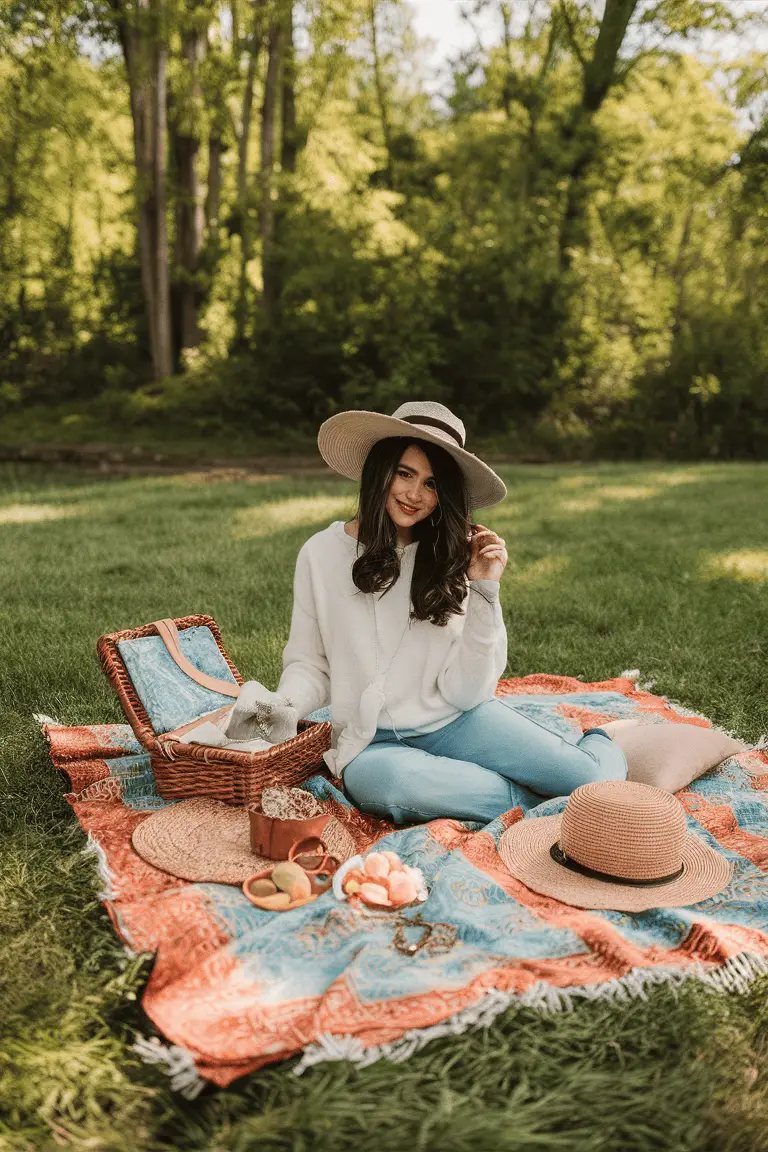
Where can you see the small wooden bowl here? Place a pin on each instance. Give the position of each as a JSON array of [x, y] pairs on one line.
[[319, 863]]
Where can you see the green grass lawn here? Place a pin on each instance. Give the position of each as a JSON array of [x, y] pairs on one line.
[[661, 568]]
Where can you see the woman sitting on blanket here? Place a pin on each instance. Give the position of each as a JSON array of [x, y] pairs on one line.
[[397, 624]]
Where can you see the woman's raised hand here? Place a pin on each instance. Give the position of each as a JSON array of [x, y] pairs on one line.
[[489, 556]]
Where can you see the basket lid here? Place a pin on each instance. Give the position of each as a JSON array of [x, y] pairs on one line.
[[170, 697], [156, 693]]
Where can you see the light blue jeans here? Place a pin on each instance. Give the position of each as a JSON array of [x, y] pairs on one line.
[[466, 769]]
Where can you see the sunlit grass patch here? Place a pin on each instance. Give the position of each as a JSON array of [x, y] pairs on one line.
[[540, 569], [583, 504], [670, 479], [591, 494], [597, 495], [579, 481], [750, 565], [296, 512], [34, 513], [626, 492]]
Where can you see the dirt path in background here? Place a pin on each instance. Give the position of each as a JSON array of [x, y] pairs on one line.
[[135, 461]]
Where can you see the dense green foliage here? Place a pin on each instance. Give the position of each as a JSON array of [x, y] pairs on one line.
[[612, 567], [570, 250]]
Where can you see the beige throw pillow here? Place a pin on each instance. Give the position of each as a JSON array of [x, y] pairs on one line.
[[670, 755]]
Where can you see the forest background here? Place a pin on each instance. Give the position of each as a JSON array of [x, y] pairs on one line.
[[227, 221]]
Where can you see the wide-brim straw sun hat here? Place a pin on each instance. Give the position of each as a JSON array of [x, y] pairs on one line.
[[618, 845], [206, 840], [346, 439]]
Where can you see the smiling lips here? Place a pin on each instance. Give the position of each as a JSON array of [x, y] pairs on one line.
[[406, 509]]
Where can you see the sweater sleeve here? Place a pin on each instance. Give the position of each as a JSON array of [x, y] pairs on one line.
[[305, 678], [478, 656]]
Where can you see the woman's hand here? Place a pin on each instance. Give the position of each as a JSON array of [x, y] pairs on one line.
[[489, 556]]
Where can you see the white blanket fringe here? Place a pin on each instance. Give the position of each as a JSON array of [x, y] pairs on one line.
[[41, 719], [106, 875], [176, 1062], [735, 975], [633, 674]]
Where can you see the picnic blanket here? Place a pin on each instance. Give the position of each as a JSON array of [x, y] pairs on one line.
[[234, 987]]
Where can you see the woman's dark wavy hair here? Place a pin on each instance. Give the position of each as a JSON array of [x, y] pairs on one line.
[[438, 587]]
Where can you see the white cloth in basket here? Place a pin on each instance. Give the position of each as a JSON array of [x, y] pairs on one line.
[[257, 720]]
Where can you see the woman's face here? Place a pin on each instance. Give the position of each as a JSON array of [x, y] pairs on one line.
[[412, 493]]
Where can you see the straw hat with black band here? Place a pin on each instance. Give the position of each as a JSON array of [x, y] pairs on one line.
[[618, 845], [346, 439]]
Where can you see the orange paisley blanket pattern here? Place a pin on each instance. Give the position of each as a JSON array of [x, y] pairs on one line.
[[238, 987]]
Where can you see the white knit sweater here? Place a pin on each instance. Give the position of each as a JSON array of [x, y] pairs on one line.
[[437, 672]]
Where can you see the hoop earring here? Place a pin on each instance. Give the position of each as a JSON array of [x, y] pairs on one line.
[[435, 524]]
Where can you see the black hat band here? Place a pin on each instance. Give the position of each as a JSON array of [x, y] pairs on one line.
[[560, 857], [431, 422]]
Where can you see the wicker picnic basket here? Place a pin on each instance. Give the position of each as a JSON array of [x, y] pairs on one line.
[[185, 770]]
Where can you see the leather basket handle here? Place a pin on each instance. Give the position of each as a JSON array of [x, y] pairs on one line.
[[169, 634]]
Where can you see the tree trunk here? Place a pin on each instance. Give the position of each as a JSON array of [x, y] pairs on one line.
[[505, 9], [11, 205], [140, 96], [381, 95], [266, 206], [188, 209], [145, 67], [288, 154], [580, 137], [162, 278], [222, 62], [535, 108], [213, 193], [235, 18], [289, 147], [679, 272], [578, 146], [246, 119]]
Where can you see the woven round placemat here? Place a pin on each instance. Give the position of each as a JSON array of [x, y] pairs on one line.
[[208, 841]]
